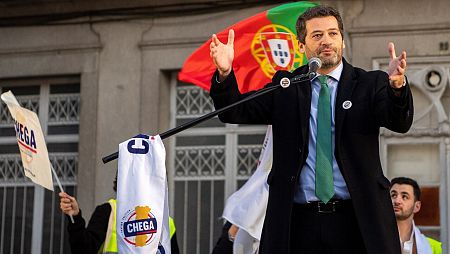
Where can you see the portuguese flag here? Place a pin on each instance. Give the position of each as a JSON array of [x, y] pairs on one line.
[[263, 44]]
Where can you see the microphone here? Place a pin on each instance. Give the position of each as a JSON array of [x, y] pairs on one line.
[[313, 65]]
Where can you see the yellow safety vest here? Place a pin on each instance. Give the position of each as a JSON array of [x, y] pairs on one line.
[[436, 246], [110, 244]]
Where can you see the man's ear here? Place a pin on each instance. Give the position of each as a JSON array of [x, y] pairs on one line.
[[417, 206], [343, 44], [302, 47]]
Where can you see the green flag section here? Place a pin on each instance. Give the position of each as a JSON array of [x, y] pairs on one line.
[[264, 44]]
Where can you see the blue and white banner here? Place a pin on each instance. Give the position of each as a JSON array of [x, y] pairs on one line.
[[142, 200], [246, 208]]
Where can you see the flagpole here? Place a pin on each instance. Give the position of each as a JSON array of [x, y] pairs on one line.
[[60, 187], [168, 133]]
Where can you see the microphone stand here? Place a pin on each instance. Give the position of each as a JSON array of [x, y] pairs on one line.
[[297, 79]]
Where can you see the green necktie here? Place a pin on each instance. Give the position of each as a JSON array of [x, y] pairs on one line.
[[324, 154]]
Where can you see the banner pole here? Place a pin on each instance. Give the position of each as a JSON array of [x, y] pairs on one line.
[[60, 187]]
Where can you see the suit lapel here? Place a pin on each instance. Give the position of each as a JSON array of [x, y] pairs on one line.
[[304, 103], [346, 85]]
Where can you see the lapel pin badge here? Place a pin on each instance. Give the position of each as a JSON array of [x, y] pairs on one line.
[[347, 104], [285, 82]]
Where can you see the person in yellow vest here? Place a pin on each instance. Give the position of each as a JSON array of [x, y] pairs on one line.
[[100, 234], [405, 196]]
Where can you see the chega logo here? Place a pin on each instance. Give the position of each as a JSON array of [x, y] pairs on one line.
[[138, 226], [25, 138]]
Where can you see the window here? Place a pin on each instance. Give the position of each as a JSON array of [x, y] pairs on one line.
[[207, 163], [30, 216]]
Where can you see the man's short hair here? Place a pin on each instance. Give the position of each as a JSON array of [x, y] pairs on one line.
[[317, 12], [408, 181]]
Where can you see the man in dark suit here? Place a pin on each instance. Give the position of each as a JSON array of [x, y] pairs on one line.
[[327, 190]]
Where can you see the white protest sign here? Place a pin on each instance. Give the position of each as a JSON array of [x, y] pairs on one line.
[[30, 139]]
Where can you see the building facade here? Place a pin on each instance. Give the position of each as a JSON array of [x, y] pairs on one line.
[[99, 73]]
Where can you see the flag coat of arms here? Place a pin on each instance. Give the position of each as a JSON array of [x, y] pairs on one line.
[[264, 43]]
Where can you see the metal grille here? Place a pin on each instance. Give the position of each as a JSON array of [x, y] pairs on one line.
[[11, 170], [199, 195], [65, 165], [64, 109], [248, 156], [54, 233], [200, 161], [16, 216], [16, 204], [208, 164], [192, 102], [30, 102]]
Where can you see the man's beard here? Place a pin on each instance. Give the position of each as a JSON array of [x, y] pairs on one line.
[[328, 63], [405, 214]]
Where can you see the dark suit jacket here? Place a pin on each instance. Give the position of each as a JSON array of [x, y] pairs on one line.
[[374, 105], [224, 245]]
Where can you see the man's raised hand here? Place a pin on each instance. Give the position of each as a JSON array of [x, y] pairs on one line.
[[222, 54], [397, 67]]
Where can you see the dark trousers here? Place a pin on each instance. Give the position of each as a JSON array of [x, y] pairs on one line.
[[337, 232]]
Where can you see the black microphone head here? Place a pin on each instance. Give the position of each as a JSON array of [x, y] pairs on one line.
[[314, 64]]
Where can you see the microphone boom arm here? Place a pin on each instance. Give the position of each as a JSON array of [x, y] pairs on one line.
[[173, 131]]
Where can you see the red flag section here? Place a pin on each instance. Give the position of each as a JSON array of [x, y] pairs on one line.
[[264, 44]]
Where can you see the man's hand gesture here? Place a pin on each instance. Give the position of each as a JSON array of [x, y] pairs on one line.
[[397, 67], [222, 54]]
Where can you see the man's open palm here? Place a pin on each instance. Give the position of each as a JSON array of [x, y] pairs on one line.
[[397, 67], [223, 54]]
